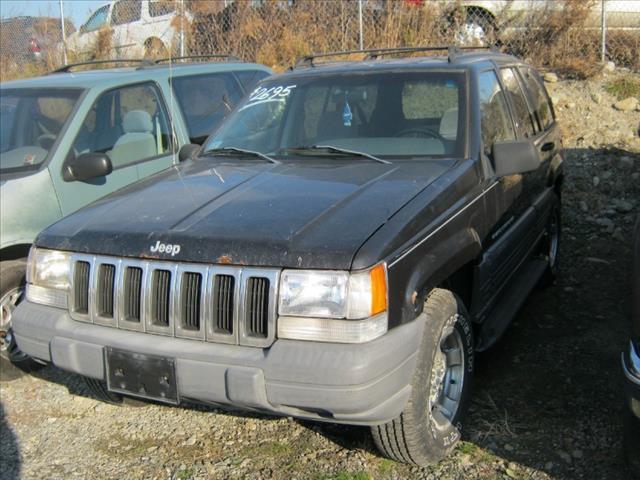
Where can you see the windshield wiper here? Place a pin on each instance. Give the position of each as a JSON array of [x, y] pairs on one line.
[[242, 151], [338, 150]]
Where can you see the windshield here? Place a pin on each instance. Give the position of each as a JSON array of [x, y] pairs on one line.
[[387, 115], [30, 122]]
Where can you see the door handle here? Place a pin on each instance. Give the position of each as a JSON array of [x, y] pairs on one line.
[[547, 147]]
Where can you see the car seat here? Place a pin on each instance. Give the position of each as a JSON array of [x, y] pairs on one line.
[[137, 142]]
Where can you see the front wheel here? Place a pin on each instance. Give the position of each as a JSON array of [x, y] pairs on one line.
[[12, 281], [430, 424]]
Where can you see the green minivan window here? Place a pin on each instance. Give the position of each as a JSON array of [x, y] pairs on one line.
[[129, 124]]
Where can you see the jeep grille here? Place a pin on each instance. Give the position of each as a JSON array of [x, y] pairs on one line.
[[213, 303]]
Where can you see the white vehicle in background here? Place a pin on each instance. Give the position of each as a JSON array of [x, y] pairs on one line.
[[135, 28], [485, 17]]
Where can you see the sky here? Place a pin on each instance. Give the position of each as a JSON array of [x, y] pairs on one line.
[[76, 10]]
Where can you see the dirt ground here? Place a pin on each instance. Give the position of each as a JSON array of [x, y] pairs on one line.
[[547, 400]]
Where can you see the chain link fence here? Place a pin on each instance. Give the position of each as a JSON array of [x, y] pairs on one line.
[[571, 36]]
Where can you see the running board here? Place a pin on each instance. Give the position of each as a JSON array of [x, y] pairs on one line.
[[512, 299]]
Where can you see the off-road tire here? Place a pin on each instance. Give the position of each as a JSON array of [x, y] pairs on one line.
[[12, 275], [413, 436]]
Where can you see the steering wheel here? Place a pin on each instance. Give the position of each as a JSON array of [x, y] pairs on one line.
[[46, 140], [419, 132]]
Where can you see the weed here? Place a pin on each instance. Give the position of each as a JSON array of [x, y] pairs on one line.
[[348, 476], [624, 87], [186, 474]]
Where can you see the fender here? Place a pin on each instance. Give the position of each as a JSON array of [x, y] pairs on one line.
[[444, 259], [455, 243]]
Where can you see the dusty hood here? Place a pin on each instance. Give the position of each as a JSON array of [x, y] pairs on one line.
[[310, 213]]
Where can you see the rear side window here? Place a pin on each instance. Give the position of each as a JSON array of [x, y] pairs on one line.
[[523, 119], [249, 78], [539, 97], [158, 8], [495, 121], [130, 124], [205, 101], [126, 11]]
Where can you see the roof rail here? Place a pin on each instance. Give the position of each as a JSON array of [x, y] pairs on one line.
[[229, 58], [70, 66], [372, 54]]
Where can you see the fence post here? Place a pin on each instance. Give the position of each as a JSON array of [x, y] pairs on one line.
[[64, 33], [603, 31], [182, 54], [360, 24]]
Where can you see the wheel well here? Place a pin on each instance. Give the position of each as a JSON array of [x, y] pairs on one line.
[[461, 283], [14, 252], [481, 12], [149, 41]]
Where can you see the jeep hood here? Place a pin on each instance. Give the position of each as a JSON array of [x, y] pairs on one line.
[[305, 214]]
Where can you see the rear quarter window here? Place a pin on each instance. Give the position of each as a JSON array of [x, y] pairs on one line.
[[538, 94]]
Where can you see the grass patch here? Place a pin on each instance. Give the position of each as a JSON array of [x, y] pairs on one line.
[[186, 474], [624, 87], [467, 448], [349, 476], [385, 466]]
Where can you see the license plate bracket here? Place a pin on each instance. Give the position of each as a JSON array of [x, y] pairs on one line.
[[152, 377]]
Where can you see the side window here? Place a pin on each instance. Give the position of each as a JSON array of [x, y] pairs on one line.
[[129, 124], [126, 11], [205, 101], [97, 20], [541, 102], [523, 119], [248, 78], [158, 8], [495, 121]]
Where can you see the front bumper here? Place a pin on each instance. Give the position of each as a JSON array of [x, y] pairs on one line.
[[359, 384]]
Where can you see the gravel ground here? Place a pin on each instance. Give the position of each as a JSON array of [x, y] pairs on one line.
[[547, 398]]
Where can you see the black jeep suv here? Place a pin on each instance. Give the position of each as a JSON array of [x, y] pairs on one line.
[[338, 250]]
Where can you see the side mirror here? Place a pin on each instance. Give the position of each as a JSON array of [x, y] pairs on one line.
[[515, 156], [188, 151], [87, 166]]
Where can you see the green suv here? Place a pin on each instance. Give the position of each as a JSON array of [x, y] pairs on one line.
[[72, 137]]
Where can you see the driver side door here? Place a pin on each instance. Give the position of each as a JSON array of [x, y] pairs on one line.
[[131, 126]]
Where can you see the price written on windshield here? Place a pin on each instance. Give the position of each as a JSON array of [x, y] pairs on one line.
[[271, 94]]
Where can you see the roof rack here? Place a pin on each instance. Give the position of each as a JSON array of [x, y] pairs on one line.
[[68, 67], [230, 58], [372, 54]]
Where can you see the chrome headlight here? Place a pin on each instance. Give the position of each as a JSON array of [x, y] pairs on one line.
[[48, 279], [333, 306]]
